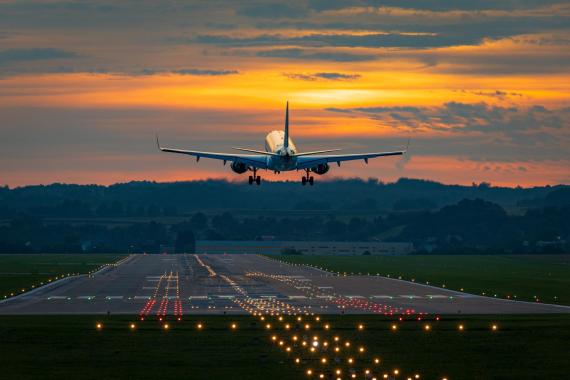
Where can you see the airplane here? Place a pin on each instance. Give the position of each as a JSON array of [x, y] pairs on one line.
[[281, 155]]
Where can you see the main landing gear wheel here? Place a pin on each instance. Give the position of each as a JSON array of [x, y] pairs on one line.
[[254, 178], [307, 179]]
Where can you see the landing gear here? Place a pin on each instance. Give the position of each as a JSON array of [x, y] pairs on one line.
[[254, 178], [307, 178]]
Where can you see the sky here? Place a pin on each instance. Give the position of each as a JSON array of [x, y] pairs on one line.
[[480, 87]]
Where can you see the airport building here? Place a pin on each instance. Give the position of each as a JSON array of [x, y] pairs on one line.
[[304, 247]]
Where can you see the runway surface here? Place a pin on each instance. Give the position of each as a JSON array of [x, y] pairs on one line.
[[160, 285]]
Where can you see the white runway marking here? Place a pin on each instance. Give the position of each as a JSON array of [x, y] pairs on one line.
[[114, 297], [410, 296], [57, 298], [142, 297], [85, 297], [382, 297]]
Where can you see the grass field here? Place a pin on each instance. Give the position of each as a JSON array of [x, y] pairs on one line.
[[19, 272], [521, 277], [55, 347]]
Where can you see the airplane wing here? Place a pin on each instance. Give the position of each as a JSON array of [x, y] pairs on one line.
[[254, 160], [305, 162]]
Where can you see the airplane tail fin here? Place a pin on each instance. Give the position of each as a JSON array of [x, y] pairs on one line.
[[286, 137]]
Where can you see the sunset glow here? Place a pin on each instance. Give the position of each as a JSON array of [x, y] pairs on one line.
[[483, 99]]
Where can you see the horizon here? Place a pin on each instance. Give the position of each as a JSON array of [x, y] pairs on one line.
[[327, 180], [481, 89]]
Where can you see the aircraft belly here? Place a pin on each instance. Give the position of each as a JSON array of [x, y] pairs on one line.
[[282, 164]]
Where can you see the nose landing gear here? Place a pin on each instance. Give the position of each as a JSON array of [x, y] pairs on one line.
[[254, 178], [307, 178]]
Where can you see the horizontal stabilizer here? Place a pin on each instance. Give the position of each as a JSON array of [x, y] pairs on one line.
[[316, 152], [256, 151]]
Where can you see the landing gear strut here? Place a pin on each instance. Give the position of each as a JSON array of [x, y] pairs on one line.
[[307, 178], [254, 178]]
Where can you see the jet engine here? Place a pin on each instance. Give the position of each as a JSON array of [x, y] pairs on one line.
[[320, 169], [238, 167]]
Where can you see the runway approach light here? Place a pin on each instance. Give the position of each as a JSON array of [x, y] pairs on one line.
[[133, 326], [361, 326], [460, 327], [234, 326], [494, 327], [166, 326], [99, 326], [199, 326]]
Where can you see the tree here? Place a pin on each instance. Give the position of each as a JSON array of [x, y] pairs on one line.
[[185, 242]]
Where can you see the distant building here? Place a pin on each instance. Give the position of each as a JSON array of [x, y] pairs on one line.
[[304, 247]]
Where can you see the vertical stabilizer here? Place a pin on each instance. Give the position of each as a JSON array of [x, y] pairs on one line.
[[286, 136]]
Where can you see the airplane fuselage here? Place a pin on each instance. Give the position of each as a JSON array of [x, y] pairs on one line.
[[286, 160]]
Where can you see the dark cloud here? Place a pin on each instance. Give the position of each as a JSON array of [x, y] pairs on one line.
[[43, 69], [34, 54], [374, 40], [315, 54], [514, 122], [478, 132], [321, 76], [439, 30], [498, 94], [273, 11], [197, 72], [433, 5]]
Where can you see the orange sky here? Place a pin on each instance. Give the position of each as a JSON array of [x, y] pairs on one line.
[[482, 94]]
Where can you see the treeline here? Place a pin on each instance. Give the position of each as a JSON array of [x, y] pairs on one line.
[[150, 199], [470, 226]]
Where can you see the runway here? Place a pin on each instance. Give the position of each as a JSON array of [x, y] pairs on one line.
[[178, 285]]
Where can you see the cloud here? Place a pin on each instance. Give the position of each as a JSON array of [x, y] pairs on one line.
[[65, 69], [321, 76], [315, 54], [371, 40], [434, 5], [34, 54], [498, 94], [456, 117], [272, 11], [192, 71]]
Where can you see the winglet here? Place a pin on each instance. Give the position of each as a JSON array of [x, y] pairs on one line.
[[157, 142], [407, 146]]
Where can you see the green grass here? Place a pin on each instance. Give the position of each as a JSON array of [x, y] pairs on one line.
[[523, 277], [19, 272], [55, 347]]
